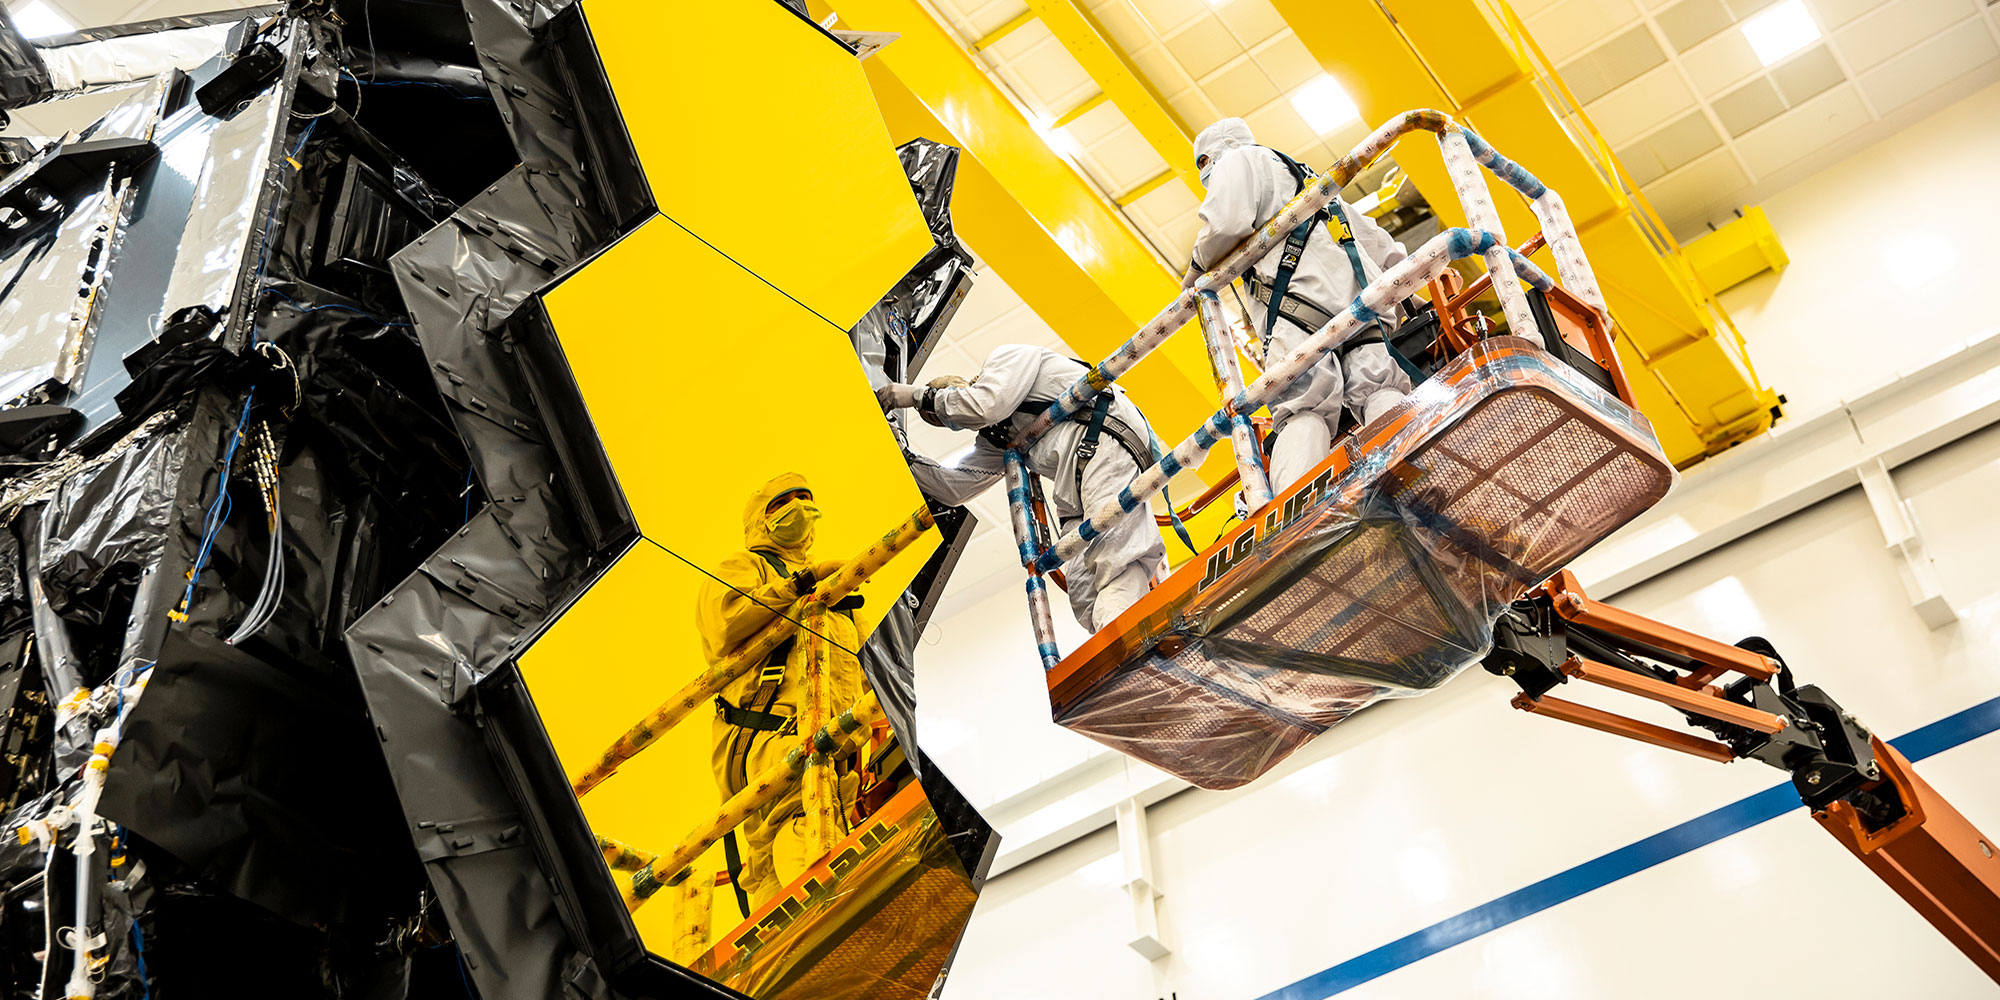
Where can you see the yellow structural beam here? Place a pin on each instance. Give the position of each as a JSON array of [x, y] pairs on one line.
[[1031, 217], [1738, 251], [1146, 187], [1121, 80], [1016, 23], [1471, 59], [1089, 104]]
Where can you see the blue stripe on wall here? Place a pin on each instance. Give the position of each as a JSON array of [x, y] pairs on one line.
[[1601, 871]]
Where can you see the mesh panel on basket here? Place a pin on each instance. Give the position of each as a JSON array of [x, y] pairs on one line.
[[1537, 497]]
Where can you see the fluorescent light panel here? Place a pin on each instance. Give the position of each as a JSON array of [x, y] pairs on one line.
[[1324, 105], [36, 19], [1780, 31]]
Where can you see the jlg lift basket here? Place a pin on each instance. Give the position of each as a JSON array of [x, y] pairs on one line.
[[1378, 575]]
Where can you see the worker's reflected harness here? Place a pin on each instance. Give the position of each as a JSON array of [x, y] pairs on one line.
[[1414, 336], [760, 722]]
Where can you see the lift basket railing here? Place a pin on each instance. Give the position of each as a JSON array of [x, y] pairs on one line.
[[1379, 573]]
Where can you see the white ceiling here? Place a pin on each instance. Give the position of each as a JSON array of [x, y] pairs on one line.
[[57, 117], [1672, 84], [96, 13], [1704, 128], [1208, 62]]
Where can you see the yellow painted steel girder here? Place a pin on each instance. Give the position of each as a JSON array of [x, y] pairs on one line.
[[1129, 90], [1089, 104], [1689, 369], [1032, 217]]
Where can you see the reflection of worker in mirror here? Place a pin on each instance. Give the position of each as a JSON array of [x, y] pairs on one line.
[[1321, 267], [755, 716], [1088, 459]]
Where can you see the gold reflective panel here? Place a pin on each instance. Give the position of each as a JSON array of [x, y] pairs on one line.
[[707, 696], [758, 132]]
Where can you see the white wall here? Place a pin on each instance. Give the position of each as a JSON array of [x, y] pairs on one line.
[[1417, 811], [1893, 252]]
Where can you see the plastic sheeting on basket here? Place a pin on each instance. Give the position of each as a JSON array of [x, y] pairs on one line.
[[1377, 576]]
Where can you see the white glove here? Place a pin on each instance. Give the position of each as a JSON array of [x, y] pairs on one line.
[[897, 396], [1193, 273]]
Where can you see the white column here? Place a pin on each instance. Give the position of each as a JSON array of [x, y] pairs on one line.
[[1899, 529]]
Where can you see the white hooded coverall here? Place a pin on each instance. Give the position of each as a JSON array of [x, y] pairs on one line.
[[1119, 565], [1248, 186]]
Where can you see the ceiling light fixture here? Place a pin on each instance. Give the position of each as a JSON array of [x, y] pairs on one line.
[[1781, 31], [1324, 105], [36, 19]]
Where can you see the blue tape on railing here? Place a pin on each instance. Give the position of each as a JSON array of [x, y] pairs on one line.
[[1529, 272], [1515, 175]]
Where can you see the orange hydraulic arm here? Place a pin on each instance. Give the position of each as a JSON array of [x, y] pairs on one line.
[[1859, 788]]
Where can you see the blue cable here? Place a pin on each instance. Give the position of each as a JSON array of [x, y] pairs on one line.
[[121, 683], [117, 835], [303, 136], [219, 510], [271, 218], [139, 952], [363, 313]]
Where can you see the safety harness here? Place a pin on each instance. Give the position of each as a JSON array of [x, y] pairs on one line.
[[752, 722], [1097, 420], [1279, 302]]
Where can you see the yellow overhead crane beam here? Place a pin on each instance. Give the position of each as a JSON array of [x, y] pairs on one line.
[[1030, 215], [1473, 59], [1121, 81]]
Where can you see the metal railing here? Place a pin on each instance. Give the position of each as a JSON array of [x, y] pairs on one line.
[[1465, 153]]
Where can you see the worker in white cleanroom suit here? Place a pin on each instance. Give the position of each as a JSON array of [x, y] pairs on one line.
[[1248, 185], [1014, 386]]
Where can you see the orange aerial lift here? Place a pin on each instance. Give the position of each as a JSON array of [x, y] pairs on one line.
[[1435, 537]]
